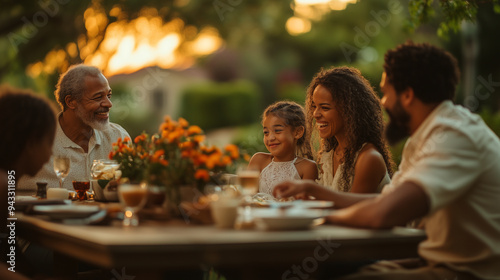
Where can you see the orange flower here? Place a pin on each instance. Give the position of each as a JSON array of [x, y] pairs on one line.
[[200, 159], [186, 153], [139, 138], [186, 145], [111, 155], [194, 129], [163, 127], [175, 135], [226, 160], [202, 174], [183, 122], [126, 139], [199, 138], [233, 150]]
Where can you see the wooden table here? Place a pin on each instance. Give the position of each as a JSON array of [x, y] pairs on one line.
[[151, 250]]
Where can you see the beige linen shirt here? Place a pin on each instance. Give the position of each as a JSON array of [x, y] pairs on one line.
[[455, 157], [100, 144]]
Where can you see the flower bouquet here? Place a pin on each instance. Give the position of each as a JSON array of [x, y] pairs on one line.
[[174, 157]]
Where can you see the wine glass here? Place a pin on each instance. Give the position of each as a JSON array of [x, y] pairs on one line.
[[133, 197], [248, 179], [61, 167]]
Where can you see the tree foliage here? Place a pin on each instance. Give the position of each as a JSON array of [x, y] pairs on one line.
[[454, 13]]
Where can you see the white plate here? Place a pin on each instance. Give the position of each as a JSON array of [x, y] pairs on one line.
[[287, 219], [66, 211], [317, 204], [26, 198]]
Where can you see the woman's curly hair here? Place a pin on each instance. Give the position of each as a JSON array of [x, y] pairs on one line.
[[359, 107]]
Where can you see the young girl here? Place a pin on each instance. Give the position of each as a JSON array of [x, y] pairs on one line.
[[284, 126]]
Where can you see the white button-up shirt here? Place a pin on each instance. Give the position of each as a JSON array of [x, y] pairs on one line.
[[100, 144]]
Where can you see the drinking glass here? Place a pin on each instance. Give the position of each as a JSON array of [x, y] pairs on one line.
[[61, 167], [81, 188], [102, 172], [133, 197], [104, 169], [248, 180]]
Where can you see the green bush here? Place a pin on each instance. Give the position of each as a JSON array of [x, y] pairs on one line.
[[213, 105], [250, 139], [492, 120], [294, 92]]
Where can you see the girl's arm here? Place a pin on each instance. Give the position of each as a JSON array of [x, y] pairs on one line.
[[258, 161], [369, 170]]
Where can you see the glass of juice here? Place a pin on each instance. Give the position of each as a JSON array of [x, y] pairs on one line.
[[81, 188], [132, 197]]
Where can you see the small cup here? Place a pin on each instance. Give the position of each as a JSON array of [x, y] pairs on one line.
[[57, 193], [225, 211]]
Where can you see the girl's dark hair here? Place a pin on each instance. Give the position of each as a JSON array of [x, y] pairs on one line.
[[294, 116], [359, 107], [24, 118]]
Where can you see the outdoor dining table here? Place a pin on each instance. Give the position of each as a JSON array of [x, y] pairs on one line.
[[153, 249]]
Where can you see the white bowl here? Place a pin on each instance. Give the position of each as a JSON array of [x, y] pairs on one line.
[[287, 219]]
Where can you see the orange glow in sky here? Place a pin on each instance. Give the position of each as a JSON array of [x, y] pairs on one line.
[[126, 46]]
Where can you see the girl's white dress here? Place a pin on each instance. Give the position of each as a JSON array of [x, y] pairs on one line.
[[332, 181], [275, 173]]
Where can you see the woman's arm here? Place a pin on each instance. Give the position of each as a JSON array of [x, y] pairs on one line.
[[308, 170], [369, 170]]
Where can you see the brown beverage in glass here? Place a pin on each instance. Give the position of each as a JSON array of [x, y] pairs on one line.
[[81, 188], [134, 197]]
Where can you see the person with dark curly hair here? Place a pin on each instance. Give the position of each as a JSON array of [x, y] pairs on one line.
[[28, 125], [347, 115], [449, 174]]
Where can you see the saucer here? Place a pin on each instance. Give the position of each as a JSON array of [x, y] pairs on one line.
[[287, 219], [59, 212]]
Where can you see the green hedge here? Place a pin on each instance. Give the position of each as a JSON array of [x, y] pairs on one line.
[[492, 119], [213, 105]]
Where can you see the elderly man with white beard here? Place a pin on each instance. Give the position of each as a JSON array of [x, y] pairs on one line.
[[83, 131]]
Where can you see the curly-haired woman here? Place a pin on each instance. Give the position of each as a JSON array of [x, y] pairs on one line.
[[346, 112]]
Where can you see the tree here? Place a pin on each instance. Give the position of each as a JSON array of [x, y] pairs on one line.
[[454, 13]]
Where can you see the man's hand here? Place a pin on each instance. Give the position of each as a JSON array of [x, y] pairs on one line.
[[294, 188]]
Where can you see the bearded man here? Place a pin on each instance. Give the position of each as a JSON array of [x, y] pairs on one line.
[[83, 131], [449, 174]]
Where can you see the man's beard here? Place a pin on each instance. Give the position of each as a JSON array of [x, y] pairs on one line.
[[90, 119], [398, 127]]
